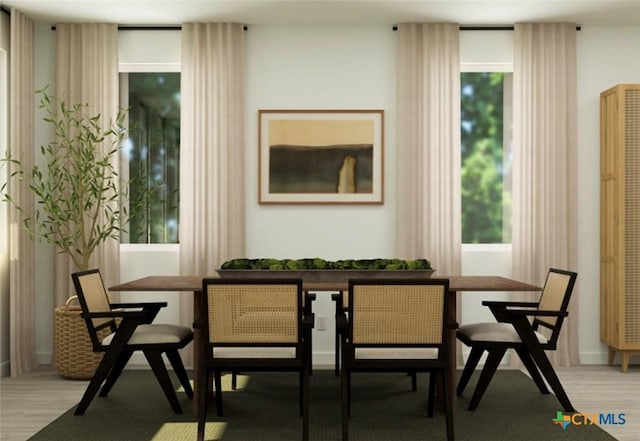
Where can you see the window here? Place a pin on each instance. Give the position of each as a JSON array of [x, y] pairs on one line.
[[152, 156], [486, 156]]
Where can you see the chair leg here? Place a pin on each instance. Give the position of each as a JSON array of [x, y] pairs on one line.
[[218, 386], [301, 375], [101, 373], [305, 400], [337, 353], [469, 367], [531, 367], [490, 366], [178, 367], [157, 365], [309, 351], [414, 381], [349, 393], [234, 380], [344, 395], [109, 359], [203, 395], [448, 403], [432, 393], [115, 372], [549, 373]]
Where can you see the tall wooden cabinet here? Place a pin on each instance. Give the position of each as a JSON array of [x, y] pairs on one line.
[[620, 221]]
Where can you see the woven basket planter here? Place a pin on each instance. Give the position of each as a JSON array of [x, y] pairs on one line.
[[74, 356]]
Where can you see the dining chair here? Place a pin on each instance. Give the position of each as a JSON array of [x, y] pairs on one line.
[[530, 328], [394, 325], [253, 325], [131, 330]]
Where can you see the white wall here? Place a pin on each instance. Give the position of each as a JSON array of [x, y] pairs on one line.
[[354, 67], [320, 67], [607, 55]]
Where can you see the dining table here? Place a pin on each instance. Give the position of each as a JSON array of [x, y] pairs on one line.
[[193, 285]]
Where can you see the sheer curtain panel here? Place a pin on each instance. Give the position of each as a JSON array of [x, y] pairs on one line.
[[428, 145], [87, 72], [22, 345], [428, 209], [212, 195], [544, 162]]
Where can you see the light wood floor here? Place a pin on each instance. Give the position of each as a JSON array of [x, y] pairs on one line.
[[30, 402]]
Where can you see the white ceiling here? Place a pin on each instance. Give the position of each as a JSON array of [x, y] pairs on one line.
[[465, 12]]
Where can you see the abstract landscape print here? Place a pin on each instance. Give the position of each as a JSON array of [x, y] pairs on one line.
[[321, 156]]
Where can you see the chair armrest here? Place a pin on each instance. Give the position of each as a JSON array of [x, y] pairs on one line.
[[308, 299], [139, 305], [341, 322], [308, 321], [140, 314], [504, 315], [507, 304], [499, 309], [451, 325], [338, 297], [529, 312], [150, 308]]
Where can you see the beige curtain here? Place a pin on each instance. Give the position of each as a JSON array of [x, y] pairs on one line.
[[212, 189], [428, 209], [544, 162], [22, 347], [87, 72], [428, 145]]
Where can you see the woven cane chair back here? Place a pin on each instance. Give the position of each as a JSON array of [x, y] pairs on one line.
[[403, 314]]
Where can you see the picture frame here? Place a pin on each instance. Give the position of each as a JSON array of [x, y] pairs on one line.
[[321, 156]]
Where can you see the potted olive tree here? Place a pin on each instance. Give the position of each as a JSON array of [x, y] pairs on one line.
[[77, 188], [78, 200]]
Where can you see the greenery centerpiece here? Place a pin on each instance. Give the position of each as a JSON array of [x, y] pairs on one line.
[[317, 263], [78, 197], [318, 270]]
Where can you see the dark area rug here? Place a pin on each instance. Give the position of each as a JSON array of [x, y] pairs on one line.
[[265, 407]]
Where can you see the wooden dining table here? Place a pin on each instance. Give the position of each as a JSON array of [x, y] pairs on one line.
[[193, 285]]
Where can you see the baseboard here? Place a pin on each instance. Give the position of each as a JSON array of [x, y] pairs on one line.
[[603, 358], [323, 360], [44, 358]]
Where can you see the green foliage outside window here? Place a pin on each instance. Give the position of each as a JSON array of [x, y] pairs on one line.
[[485, 201], [154, 154]]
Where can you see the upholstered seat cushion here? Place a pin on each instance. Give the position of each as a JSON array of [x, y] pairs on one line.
[[494, 332], [154, 334], [396, 353], [254, 352]]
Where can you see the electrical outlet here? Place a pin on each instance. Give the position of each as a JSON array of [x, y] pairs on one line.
[[321, 323]]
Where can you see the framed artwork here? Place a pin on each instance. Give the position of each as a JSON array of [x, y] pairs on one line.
[[320, 156]]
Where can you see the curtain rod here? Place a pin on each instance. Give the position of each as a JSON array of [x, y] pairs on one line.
[[487, 28], [149, 28], [395, 27]]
